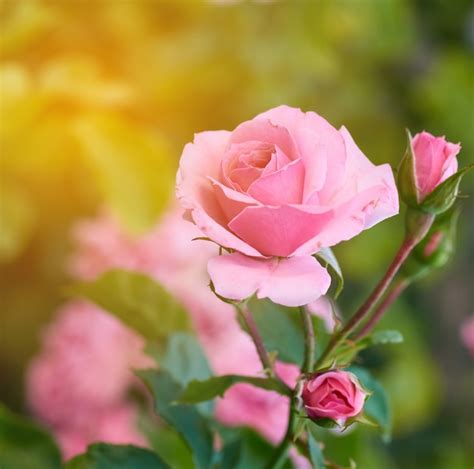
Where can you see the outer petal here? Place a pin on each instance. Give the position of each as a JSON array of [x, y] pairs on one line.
[[291, 282], [365, 175], [231, 201], [221, 235], [343, 222], [200, 161], [279, 231]]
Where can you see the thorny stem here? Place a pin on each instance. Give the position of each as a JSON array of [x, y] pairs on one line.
[[407, 246], [279, 457], [389, 299], [309, 338], [252, 329], [280, 454]]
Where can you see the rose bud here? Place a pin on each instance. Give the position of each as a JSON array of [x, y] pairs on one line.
[[335, 395], [428, 162]]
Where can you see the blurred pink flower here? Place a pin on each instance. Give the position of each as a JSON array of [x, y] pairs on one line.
[[115, 425], [467, 334], [83, 370], [81, 377]]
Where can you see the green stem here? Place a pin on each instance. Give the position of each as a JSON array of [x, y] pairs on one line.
[[280, 455], [416, 233], [252, 329], [396, 290], [309, 339]]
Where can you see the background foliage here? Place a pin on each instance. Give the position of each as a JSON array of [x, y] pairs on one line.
[[98, 99]]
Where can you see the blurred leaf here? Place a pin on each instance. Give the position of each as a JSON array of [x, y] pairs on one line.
[[25, 445], [17, 220], [185, 419], [376, 407], [280, 328], [315, 451], [137, 300], [184, 359], [167, 443], [329, 260], [132, 166], [106, 456], [199, 391], [248, 450]]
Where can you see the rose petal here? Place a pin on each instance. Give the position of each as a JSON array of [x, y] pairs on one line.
[[278, 231], [262, 130], [299, 123], [291, 282], [221, 235], [199, 161], [284, 186], [232, 202]]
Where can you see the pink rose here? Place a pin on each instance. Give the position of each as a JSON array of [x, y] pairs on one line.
[[434, 160], [335, 395], [274, 191]]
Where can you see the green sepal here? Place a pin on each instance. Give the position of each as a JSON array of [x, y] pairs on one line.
[[329, 260], [406, 179], [445, 194]]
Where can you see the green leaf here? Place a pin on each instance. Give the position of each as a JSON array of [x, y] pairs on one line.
[[376, 407], [199, 391], [187, 421], [106, 456], [165, 441], [315, 452], [132, 167], [137, 300], [348, 350], [280, 328], [25, 445], [444, 196], [329, 260], [184, 359]]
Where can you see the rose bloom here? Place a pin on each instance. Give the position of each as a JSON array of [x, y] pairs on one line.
[[335, 395], [434, 161], [274, 191]]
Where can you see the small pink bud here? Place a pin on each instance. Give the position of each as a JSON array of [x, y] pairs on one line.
[[335, 395], [434, 161]]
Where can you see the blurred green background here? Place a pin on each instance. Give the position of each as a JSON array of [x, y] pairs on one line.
[[98, 99]]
